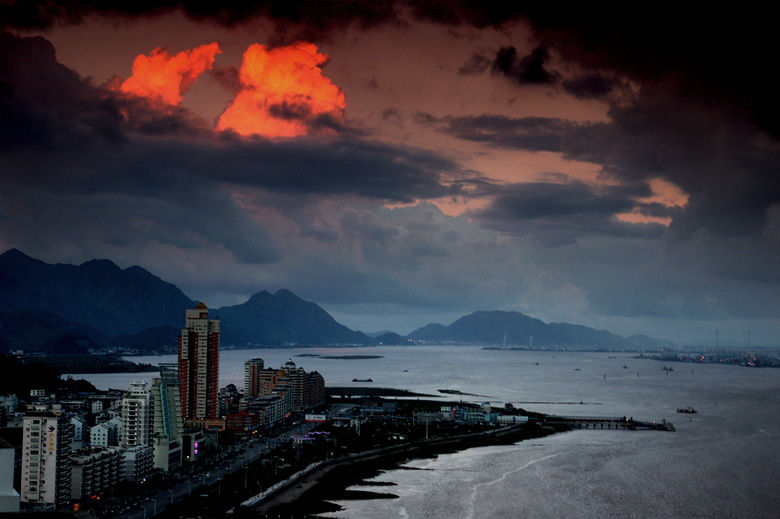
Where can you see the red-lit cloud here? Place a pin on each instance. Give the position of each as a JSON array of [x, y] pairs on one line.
[[283, 92], [163, 77]]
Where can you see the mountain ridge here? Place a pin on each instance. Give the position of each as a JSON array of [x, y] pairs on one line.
[[99, 304]]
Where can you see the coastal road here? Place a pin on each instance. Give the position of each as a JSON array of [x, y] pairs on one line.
[[192, 484]]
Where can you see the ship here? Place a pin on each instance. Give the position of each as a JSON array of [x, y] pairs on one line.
[[686, 409], [362, 380]]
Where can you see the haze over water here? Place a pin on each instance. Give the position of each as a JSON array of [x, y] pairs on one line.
[[721, 462]]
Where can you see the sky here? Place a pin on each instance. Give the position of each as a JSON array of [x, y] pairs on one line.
[[402, 163]]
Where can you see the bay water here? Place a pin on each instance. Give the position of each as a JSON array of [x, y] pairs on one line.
[[723, 461]]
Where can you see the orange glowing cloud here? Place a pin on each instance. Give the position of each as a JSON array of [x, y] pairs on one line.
[[282, 92], [664, 193], [166, 78]]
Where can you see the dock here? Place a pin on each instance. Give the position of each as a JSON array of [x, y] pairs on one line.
[[607, 422]]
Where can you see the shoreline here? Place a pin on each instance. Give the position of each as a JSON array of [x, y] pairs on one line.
[[315, 492]]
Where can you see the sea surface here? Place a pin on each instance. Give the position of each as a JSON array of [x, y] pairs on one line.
[[723, 461]]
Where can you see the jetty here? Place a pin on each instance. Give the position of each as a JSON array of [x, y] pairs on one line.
[[607, 422]]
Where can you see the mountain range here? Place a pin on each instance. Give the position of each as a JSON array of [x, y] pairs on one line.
[[97, 305]]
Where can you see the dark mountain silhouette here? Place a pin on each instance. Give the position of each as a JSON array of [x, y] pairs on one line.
[[29, 330], [159, 339], [283, 318], [97, 293], [71, 308], [518, 330]]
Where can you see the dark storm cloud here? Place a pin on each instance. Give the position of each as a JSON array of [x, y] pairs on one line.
[[564, 213], [529, 69], [710, 54], [477, 64], [315, 17], [228, 77], [591, 86], [527, 133], [719, 57], [78, 157], [32, 113], [48, 106], [66, 116], [719, 160], [310, 20]]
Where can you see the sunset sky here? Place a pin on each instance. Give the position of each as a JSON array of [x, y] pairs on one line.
[[402, 163]]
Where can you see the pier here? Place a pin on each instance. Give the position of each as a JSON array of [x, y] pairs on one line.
[[607, 422]]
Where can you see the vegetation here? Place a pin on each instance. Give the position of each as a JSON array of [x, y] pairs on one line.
[[88, 363], [19, 377]]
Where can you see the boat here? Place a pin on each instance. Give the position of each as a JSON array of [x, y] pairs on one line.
[[362, 380], [686, 409]]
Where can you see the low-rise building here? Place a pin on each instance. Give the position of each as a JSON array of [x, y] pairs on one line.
[[104, 434], [80, 432], [243, 422], [95, 470], [9, 497], [138, 462]]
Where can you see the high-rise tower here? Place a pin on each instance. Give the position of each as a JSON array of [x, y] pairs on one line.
[[46, 463], [199, 365], [252, 371]]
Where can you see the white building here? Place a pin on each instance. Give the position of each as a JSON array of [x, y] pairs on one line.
[[506, 419], [104, 434], [45, 478], [10, 402], [80, 432], [136, 416], [9, 498], [167, 423]]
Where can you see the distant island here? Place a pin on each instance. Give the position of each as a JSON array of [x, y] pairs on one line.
[[351, 357]]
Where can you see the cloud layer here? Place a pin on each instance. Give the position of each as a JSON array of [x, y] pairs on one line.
[[610, 177]]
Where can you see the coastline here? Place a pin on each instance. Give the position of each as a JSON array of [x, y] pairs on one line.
[[315, 492]]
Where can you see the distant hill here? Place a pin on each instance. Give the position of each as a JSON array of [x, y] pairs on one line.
[[514, 329], [283, 319]]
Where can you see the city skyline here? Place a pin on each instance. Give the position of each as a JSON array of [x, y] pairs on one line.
[[407, 163]]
